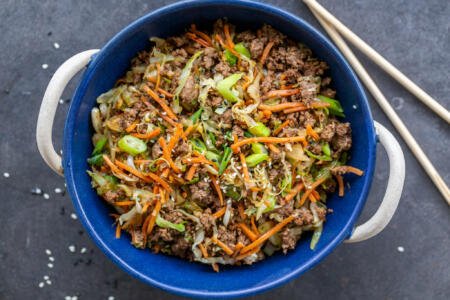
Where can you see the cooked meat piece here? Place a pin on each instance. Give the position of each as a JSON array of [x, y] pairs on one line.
[[288, 240], [189, 94], [180, 247], [257, 47], [156, 151], [202, 193], [303, 216]]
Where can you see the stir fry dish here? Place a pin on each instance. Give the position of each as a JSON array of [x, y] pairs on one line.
[[221, 147]]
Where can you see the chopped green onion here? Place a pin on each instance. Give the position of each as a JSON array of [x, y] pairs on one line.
[[259, 129], [326, 149], [212, 137], [132, 145], [318, 157], [224, 87], [166, 224], [240, 48], [228, 136], [248, 134], [316, 237], [254, 159], [230, 57], [226, 157], [198, 145], [185, 73], [259, 148], [194, 180], [335, 107], [195, 116], [212, 156], [103, 183], [99, 145], [96, 160]]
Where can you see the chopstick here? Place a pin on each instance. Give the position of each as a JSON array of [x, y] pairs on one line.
[[385, 106], [380, 60]]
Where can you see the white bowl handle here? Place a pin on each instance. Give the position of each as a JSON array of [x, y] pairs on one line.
[[393, 190], [49, 104]]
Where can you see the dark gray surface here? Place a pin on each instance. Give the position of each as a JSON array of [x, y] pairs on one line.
[[414, 35]]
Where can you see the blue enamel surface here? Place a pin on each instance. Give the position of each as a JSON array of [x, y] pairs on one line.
[[172, 274]]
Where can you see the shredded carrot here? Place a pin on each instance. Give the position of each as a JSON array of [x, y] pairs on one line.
[[217, 188], [165, 93], [244, 167], [118, 231], [316, 194], [165, 173], [244, 255], [312, 198], [132, 171], [203, 250], [219, 39], [267, 113], [273, 148], [312, 133], [124, 203], [340, 182], [241, 211], [201, 34], [235, 138], [146, 206], [311, 106], [280, 93], [238, 248], [112, 166], [191, 172], [254, 228], [348, 169], [294, 191], [142, 161], [215, 267], [248, 232], [175, 138], [247, 82], [188, 131], [226, 30], [224, 247], [275, 140], [158, 76], [144, 228], [160, 181], [152, 221], [161, 102], [309, 191], [279, 128], [167, 156], [184, 194], [220, 212], [262, 238], [167, 119], [199, 160], [266, 52], [131, 127], [195, 38], [156, 248], [148, 135]]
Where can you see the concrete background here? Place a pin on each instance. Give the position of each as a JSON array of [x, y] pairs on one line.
[[413, 35]]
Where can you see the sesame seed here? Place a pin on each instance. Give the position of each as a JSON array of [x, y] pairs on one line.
[[354, 106], [41, 285], [6, 175], [400, 249], [74, 298], [46, 196], [48, 252], [51, 258], [61, 101], [36, 191], [46, 277], [110, 297], [50, 265], [49, 282], [73, 216], [56, 45], [72, 248], [67, 298], [58, 190], [44, 66], [83, 250]]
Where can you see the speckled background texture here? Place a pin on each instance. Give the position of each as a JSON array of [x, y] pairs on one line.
[[413, 35]]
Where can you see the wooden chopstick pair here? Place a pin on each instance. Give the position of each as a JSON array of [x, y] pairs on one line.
[[334, 28]]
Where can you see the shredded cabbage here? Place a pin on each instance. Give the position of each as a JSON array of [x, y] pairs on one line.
[[185, 73]]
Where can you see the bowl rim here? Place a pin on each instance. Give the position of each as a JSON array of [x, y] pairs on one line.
[[81, 89]]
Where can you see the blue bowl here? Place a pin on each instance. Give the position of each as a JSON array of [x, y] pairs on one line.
[[173, 274]]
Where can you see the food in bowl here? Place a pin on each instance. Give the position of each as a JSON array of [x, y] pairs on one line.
[[221, 148]]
